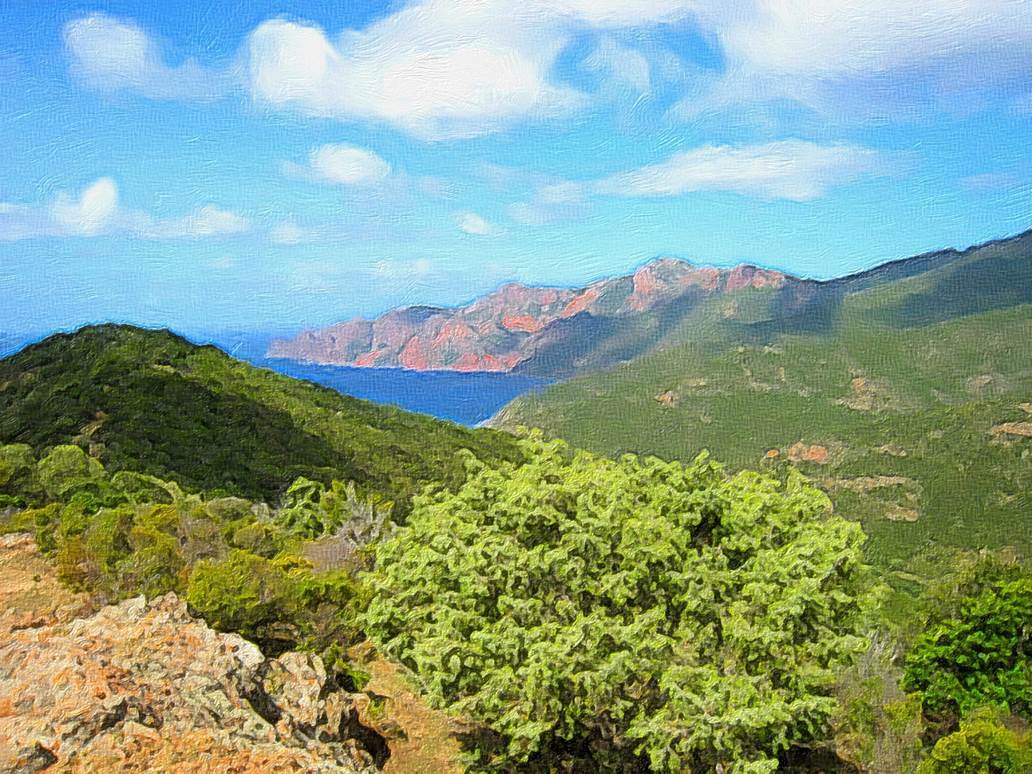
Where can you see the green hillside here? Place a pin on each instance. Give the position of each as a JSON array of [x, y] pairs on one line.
[[151, 401], [916, 389]]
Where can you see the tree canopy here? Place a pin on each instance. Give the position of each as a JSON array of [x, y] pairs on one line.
[[627, 609]]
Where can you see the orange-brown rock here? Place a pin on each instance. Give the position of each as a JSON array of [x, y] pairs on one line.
[[801, 452], [502, 329], [144, 686], [667, 398]]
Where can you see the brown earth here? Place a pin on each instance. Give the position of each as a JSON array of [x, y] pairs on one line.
[[420, 738], [1023, 429]]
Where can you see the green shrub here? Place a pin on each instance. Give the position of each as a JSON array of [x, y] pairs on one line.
[[18, 481], [625, 608], [983, 745], [878, 727], [981, 657], [68, 469], [244, 593], [140, 488], [278, 603]]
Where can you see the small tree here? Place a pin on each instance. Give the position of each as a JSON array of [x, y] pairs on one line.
[[625, 608]]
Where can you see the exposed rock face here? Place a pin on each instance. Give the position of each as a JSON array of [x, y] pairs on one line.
[[145, 686], [801, 452], [502, 329]]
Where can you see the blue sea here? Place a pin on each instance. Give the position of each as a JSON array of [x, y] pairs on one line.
[[467, 398]]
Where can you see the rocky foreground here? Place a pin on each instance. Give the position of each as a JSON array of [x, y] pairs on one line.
[[144, 686]]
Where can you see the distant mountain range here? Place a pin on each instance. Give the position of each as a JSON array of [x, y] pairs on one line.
[[558, 332], [526, 329]]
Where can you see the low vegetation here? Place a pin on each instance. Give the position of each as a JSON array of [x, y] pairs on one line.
[[151, 402], [238, 563], [579, 613]]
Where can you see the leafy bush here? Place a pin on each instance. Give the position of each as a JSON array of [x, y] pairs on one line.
[[18, 480], [983, 745], [277, 603], [67, 470], [625, 608], [983, 656]]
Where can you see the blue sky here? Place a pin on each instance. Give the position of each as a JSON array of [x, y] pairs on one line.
[[259, 165]]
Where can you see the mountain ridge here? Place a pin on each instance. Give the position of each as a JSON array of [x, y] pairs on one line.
[[905, 394], [534, 329], [501, 329]]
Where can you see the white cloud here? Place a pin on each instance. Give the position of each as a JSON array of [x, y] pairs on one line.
[[206, 221], [20, 221], [790, 169], [991, 181], [624, 13], [622, 66], [846, 38], [113, 54], [347, 165], [438, 69], [551, 203], [91, 212], [420, 267], [471, 223], [96, 211], [865, 57], [443, 69], [223, 262], [287, 233]]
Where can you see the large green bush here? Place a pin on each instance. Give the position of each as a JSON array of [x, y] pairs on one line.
[[982, 656], [625, 608]]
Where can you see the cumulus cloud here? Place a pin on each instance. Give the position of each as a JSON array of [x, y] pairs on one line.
[[347, 165], [206, 221], [443, 69], [419, 267], [90, 212], [869, 57], [471, 223], [97, 211], [622, 66], [796, 170], [437, 69], [844, 38], [112, 54]]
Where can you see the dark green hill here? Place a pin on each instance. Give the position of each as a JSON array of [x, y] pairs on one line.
[[914, 380], [153, 402]]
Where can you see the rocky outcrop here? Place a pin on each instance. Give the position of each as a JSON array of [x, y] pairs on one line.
[[144, 686], [500, 330]]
